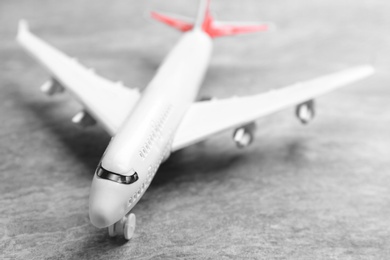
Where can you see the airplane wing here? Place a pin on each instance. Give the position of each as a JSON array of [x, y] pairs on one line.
[[107, 102], [210, 117]]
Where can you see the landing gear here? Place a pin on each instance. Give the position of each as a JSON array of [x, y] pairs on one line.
[[125, 227]]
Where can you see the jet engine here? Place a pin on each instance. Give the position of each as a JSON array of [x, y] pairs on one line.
[[305, 112], [52, 87], [244, 135], [83, 119]]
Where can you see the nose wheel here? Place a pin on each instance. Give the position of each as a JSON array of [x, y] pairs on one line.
[[125, 227]]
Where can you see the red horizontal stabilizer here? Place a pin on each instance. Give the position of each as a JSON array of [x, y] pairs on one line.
[[217, 29], [179, 24], [226, 30]]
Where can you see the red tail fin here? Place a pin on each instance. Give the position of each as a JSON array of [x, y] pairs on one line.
[[206, 22]]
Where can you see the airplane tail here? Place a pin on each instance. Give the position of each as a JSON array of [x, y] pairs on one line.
[[205, 22]]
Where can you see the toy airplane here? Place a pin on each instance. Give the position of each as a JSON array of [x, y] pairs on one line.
[[146, 127]]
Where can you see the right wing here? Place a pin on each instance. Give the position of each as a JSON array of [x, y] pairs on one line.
[[107, 102], [206, 118]]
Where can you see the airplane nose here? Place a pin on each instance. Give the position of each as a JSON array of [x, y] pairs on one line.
[[100, 216], [105, 204]]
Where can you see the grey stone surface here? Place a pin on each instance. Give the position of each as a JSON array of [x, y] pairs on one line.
[[300, 192]]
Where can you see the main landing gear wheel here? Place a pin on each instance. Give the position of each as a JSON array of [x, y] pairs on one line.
[[125, 227]]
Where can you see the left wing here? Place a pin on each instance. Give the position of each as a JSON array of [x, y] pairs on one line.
[[210, 117], [107, 102]]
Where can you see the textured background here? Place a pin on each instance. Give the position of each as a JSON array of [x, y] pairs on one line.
[[300, 192]]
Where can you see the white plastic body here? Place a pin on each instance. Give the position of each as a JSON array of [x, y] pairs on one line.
[[145, 138]]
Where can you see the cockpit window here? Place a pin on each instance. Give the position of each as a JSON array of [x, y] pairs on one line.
[[123, 179]]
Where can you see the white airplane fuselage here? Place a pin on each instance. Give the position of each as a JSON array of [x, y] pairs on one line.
[[144, 140]]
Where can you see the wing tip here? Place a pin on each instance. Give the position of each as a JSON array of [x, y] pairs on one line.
[[23, 26], [371, 68], [271, 27], [367, 69], [22, 29]]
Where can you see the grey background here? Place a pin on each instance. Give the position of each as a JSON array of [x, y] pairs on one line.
[[299, 192]]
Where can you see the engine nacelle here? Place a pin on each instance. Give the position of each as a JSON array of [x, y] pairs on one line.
[[305, 112], [244, 135], [83, 119], [52, 87]]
